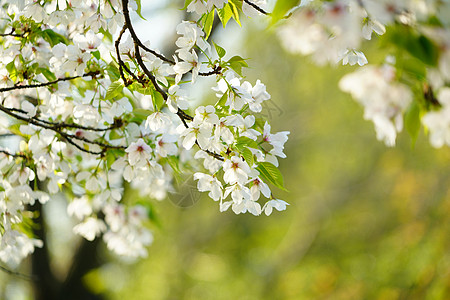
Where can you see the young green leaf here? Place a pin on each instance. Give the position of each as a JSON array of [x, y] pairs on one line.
[[237, 63], [412, 121], [139, 8], [271, 174], [208, 23], [114, 90], [53, 38], [220, 51], [248, 156], [281, 8], [225, 14]]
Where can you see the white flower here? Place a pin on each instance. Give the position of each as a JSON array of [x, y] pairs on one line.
[[258, 95], [190, 62], [196, 132], [383, 99], [192, 35], [80, 208], [235, 170], [206, 114], [197, 6], [279, 205], [208, 183], [165, 145], [352, 57], [90, 228], [216, 3], [277, 140], [75, 60], [438, 122], [370, 26], [241, 200], [176, 99], [138, 153], [157, 120], [259, 187]]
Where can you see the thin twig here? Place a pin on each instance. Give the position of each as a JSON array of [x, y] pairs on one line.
[[66, 136], [18, 86], [137, 43], [12, 34], [256, 7], [23, 276], [15, 155]]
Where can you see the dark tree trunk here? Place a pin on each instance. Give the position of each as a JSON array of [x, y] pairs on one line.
[[46, 286]]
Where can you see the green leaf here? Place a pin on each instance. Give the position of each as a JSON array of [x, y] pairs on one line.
[[186, 4], [114, 90], [248, 156], [158, 100], [47, 73], [271, 174], [96, 54], [112, 155], [53, 38], [412, 121], [220, 51], [409, 40], [141, 114], [173, 162], [208, 23], [244, 141], [235, 12], [113, 71], [138, 10], [225, 14], [222, 100], [237, 63], [412, 66], [281, 8], [12, 71]]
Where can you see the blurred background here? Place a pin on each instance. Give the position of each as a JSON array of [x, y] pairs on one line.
[[364, 222]]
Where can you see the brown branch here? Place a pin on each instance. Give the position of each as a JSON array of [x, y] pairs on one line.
[[18, 86], [257, 7], [215, 71], [15, 155], [122, 65], [137, 43], [68, 137], [12, 34], [163, 58]]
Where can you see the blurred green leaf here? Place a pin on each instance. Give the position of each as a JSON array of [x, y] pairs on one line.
[[281, 8]]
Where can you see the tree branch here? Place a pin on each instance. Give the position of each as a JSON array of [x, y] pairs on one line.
[[18, 86], [257, 7], [68, 137], [137, 43], [15, 155]]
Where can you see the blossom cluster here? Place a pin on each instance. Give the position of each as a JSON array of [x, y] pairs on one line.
[[92, 111], [419, 63]]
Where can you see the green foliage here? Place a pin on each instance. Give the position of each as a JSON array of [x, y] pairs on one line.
[[220, 51], [114, 90], [407, 39], [228, 12], [412, 121], [53, 38], [271, 174], [237, 63], [281, 8], [208, 21]]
